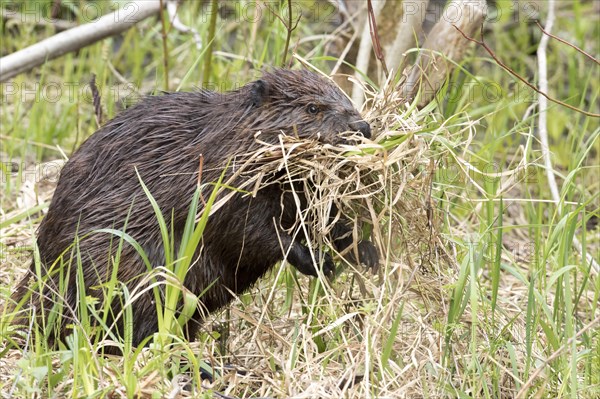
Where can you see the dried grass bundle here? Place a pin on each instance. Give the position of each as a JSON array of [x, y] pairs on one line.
[[383, 186]]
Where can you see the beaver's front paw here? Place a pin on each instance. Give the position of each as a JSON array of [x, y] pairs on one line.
[[328, 265], [325, 262], [300, 256], [367, 255]]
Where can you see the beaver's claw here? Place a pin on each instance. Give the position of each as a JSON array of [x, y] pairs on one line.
[[367, 254]]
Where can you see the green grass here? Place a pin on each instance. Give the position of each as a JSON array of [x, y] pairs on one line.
[[517, 301]]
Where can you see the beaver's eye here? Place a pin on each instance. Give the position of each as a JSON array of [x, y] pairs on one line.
[[312, 109]]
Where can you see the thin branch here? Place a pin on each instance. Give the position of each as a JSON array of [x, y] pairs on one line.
[[294, 51], [363, 58], [375, 37], [76, 38], [276, 15], [288, 27], [591, 57], [97, 100], [522, 79], [289, 32]]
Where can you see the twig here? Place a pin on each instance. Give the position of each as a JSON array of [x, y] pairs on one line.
[[375, 37], [76, 38], [96, 100], [591, 57], [288, 26], [294, 51], [522, 79], [363, 58], [289, 32], [164, 44]]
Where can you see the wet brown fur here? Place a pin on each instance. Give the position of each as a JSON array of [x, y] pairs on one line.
[[163, 137]]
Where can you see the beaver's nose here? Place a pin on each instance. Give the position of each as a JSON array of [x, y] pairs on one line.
[[362, 127]]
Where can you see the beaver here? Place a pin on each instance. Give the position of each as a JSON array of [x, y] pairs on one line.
[[161, 138]]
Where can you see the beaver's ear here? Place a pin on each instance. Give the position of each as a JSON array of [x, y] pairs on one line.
[[259, 92]]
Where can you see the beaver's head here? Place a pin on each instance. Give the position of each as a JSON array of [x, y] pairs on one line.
[[305, 104]]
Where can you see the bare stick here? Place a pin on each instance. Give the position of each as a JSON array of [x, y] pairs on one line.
[[289, 32], [97, 100], [375, 37], [363, 57], [591, 57], [522, 79], [76, 38], [288, 26]]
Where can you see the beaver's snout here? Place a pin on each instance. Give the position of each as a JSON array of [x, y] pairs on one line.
[[362, 127]]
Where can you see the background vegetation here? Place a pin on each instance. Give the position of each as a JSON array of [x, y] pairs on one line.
[[515, 313]]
